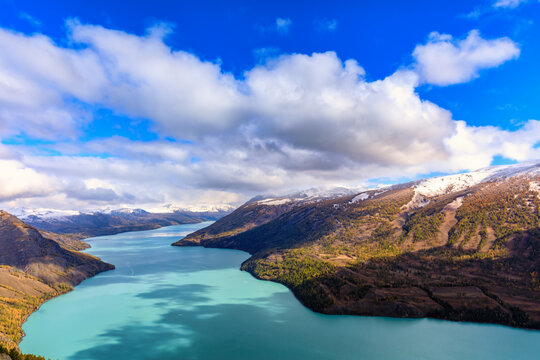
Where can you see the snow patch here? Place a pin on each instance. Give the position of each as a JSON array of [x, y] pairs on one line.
[[361, 197], [417, 201], [447, 184], [310, 195], [274, 201], [526, 169], [325, 193], [443, 185], [454, 205], [366, 195], [25, 214], [534, 186]]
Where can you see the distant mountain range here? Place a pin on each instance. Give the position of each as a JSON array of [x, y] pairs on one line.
[[110, 222], [34, 267], [462, 247]]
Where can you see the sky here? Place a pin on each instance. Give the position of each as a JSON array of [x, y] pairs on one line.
[[200, 105]]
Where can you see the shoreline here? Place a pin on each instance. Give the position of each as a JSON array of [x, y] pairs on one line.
[[343, 311], [84, 251], [193, 283], [9, 342]]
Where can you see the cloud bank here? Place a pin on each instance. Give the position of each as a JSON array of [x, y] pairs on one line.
[[296, 120]]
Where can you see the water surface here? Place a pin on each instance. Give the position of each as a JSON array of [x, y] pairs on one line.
[[165, 302]]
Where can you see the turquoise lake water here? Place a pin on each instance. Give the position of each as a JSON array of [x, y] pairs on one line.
[[165, 302]]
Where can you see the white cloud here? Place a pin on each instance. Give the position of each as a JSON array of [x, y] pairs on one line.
[[19, 181], [319, 104], [283, 25], [499, 5], [446, 61], [297, 120], [508, 3], [475, 146], [32, 92]]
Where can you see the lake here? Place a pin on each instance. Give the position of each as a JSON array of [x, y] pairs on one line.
[[165, 302]]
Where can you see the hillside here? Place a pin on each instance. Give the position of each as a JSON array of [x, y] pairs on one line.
[[463, 247], [113, 222], [34, 269]]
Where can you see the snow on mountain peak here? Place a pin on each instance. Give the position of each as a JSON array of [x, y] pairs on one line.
[[451, 183], [442, 185], [24, 213], [310, 195], [446, 184]]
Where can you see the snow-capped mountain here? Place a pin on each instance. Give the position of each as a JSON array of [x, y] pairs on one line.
[[112, 221], [459, 247], [25, 213], [307, 196], [423, 189]]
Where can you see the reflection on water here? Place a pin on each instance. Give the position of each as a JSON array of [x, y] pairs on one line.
[[165, 302]]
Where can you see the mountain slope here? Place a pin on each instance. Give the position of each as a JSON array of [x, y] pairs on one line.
[[460, 247], [34, 269], [116, 221]]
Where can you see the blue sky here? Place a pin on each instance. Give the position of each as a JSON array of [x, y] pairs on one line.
[[379, 35], [464, 73]]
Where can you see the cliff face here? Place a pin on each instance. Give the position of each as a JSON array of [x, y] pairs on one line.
[[463, 247], [34, 269]]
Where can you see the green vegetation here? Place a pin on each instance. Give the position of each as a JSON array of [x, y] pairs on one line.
[[15, 310], [380, 257], [506, 208], [294, 270], [422, 227], [299, 272], [47, 270]]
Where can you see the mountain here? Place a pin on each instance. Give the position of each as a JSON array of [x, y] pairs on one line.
[[463, 247], [35, 267], [115, 221]]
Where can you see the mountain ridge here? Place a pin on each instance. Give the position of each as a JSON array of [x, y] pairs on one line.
[[115, 221], [35, 268], [460, 247]]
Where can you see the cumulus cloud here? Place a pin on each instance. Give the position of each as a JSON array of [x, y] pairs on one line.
[[32, 92], [477, 145], [319, 104], [293, 121], [20, 181], [446, 61]]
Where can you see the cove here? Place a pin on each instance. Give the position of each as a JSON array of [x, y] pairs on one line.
[[165, 302]]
